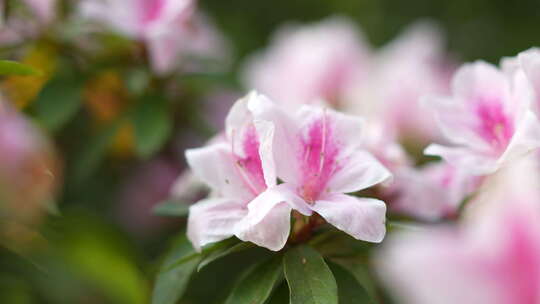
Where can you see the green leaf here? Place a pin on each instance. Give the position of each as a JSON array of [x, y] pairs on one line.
[[280, 295], [171, 282], [8, 67], [309, 278], [217, 254], [206, 251], [257, 284], [171, 208], [94, 151], [349, 289], [153, 125], [58, 102]]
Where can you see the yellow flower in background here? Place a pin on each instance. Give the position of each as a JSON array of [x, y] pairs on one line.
[[22, 90]]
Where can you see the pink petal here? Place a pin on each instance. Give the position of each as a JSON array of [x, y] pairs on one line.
[[285, 141], [213, 220], [362, 218]]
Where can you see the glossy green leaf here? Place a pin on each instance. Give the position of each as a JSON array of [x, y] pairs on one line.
[[171, 283], [257, 284], [58, 102], [8, 67], [218, 254], [309, 278], [153, 125], [349, 289], [171, 208]]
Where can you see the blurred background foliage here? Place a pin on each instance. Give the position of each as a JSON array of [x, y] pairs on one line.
[[121, 133]]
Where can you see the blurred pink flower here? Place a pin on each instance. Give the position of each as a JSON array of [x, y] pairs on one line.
[[44, 10], [170, 29], [29, 169], [432, 192], [412, 65], [238, 168], [487, 119], [16, 27], [305, 64], [318, 155], [494, 259]]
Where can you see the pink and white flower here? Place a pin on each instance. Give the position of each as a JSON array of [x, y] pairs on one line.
[[410, 66], [431, 192], [306, 64], [169, 28], [319, 156], [238, 168], [494, 259], [487, 119]]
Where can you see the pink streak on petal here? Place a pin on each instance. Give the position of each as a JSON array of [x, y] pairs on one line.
[[495, 126], [319, 156], [250, 166], [519, 267]]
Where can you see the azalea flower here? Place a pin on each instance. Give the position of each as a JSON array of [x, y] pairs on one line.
[[487, 119], [238, 167], [493, 259], [309, 63], [319, 157], [169, 28]]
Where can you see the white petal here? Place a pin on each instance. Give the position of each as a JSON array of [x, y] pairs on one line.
[[530, 61], [473, 163], [262, 204], [213, 220], [525, 139], [214, 165], [266, 131], [362, 218], [271, 232], [358, 171]]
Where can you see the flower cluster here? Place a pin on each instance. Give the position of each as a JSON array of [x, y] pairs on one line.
[[299, 153], [317, 155]]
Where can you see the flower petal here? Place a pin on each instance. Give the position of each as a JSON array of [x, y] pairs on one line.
[[214, 165], [271, 232], [285, 142], [213, 220], [358, 171], [362, 218], [525, 140], [475, 163]]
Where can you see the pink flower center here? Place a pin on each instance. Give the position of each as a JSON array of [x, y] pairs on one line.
[[249, 167], [319, 156], [495, 126]]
